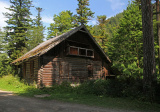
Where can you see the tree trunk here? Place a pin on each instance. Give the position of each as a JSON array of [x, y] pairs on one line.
[[158, 30], [148, 50]]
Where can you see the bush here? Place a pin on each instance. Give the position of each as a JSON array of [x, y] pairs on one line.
[[12, 83], [101, 87]]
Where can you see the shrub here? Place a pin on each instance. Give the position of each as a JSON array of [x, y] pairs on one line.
[[114, 88]]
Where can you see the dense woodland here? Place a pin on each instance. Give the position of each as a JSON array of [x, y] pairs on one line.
[[122, 37]]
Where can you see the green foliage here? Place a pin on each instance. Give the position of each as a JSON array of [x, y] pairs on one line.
[[98, 93], [63, 22], [35, 33], [5, 67], [112, 88], [18, 23], [35, 37], [12, 83], [99, 32], [84, 13], [113, 24], [2, 42], [38, 19], [125, 47]]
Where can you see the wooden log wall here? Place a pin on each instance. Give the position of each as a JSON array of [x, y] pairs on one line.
[[29, 75], [72, 69]]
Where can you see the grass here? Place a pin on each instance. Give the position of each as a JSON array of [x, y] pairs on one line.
[[12, 83], [67, 94]]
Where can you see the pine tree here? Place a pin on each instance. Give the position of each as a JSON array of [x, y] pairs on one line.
[[38, 19], [84, 13], [18, 24], [36, 32], [5, 67], [148, 50], [100, 33], [1, 42]]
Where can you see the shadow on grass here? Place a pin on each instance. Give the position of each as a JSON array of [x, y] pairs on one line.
[[92, 100]]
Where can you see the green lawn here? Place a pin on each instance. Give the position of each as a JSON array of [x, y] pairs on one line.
[[11, 83]]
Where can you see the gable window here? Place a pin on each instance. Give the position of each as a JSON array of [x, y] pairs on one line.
[[73, 50], [82, 51], [89, 52], [78, 51]]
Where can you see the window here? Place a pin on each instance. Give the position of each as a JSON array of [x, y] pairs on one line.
[[82, 51], [78, 51], [89, 52], [73, 50]]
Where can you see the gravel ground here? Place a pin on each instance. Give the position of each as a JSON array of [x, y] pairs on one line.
[[12, 103]]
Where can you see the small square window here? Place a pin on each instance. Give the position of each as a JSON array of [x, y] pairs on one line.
[[73, 51], [82, 52], [89, 53]]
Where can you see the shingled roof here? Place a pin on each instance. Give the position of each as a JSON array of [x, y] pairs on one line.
[[44, 47]]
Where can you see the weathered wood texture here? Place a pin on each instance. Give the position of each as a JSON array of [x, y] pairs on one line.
[[72, 69], [30, 70], [60, 64]]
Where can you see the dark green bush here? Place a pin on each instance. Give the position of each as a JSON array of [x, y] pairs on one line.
[[114, 88], [133, 88], [85, 88], [101, 87]]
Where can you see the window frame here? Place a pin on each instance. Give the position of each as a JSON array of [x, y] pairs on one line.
[[78, 50]]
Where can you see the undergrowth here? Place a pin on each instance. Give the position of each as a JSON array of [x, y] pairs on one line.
[[117, 94]]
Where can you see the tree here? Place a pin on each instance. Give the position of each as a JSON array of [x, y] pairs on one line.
[[5, 67], [38, 19], [36, 32], [63, 22], [125, 47], [18, 24], [1, 42], [158, 30], [100, 33], [148, 49], [84, 13]]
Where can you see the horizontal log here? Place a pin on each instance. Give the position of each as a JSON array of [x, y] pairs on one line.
[[47, 73], [48, 66], [47, 78], [47, 82]]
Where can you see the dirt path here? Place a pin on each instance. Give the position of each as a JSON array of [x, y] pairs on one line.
[[13, 103]]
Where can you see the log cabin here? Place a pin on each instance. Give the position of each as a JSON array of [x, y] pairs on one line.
[[74, 56]]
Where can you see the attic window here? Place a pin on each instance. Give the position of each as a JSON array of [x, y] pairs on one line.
[[73, 50], [82, 51], [78, 51], [89, 52]]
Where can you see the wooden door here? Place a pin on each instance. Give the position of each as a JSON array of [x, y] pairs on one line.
[[55, 71], [64, 70]]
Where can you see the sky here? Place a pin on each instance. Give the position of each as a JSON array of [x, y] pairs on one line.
[[50, 7]]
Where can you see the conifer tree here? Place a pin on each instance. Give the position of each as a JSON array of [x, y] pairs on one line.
[[36, 32], [148, 50], [18, 24], [125, 47], [1, 42], [99, 31], [38, 20], [84, 12], [5, 67]]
